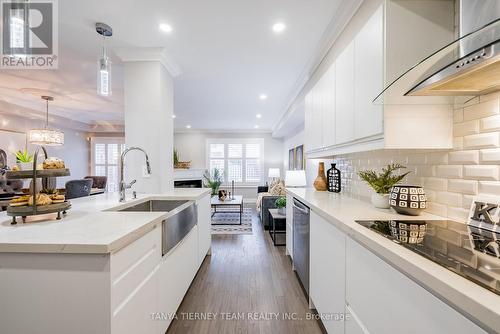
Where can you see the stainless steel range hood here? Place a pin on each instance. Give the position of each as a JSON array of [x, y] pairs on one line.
[[466, 67], [476, 73]]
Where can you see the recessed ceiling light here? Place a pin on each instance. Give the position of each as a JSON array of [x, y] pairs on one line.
[[173, 116], [167, 28], [263, 97], [279, 27], [256, 127], [188, 126], [258, 116]]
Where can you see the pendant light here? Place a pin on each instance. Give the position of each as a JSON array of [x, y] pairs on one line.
[[104, 63], [46, 136]]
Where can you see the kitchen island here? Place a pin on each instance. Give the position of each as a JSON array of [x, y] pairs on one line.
[[382, 286], [99, 269]]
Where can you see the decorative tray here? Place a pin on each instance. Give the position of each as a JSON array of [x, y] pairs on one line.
[[28, 174], [29, 210]]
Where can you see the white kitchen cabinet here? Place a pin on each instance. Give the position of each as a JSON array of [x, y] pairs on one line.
[[204, 228], [369, 76], [134, 280], [344, 92], [328, 123], [386, 301], [177, 270], [378, 45], [314, 118], [353, 324], [289, 225], [327, 271]]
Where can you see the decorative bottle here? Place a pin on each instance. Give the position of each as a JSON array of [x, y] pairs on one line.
[[334, 181]]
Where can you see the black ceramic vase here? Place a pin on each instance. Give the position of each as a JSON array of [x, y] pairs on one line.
[[334, 181]]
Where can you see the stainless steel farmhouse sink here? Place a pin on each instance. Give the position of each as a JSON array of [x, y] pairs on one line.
[[176, 226], [155, 206]]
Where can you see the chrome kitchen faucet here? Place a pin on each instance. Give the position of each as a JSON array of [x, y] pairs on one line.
[[124, 186]]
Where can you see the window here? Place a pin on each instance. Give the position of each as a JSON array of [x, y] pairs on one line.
[[105, 159], [239, 159]]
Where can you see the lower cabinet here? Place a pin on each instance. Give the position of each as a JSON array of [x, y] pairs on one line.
[[134, 280], [348, 281], [327, 272], [204, 228], [353, 325], [383, 300], [177, 271]]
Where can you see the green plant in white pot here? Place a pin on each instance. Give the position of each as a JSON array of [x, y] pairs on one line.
[[281, 205], [382, 183], [24, 160], [213, 180]]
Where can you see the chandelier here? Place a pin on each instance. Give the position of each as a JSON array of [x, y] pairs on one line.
[[46, 136]]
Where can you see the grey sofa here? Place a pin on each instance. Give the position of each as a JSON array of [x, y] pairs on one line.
[[268, 202]]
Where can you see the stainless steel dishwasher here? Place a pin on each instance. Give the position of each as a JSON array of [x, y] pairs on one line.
[[301, 214]]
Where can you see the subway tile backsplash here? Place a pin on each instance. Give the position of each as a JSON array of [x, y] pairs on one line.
[[450, 178]]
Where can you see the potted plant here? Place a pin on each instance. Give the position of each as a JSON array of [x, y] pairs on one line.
[[180, 164], [24, 160], [281, 205], [176, 158], [213, 180], [382, 183]]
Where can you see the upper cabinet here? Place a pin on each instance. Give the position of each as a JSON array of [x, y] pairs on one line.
[[341, 116], [344, 107], [369, 76]]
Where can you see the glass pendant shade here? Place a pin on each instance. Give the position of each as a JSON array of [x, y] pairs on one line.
[[46, 136], [104, 62], [104, 75]]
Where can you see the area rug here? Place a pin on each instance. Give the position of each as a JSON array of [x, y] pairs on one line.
[[231, 222]]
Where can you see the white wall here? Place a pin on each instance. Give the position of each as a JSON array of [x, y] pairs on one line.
[[192, 146], [149, 104], [75, 152], [311, 164]]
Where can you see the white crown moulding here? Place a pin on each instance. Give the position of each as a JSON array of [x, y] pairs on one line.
[[133, 54]]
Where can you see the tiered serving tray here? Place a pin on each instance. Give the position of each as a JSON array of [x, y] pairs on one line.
[[34, 209]]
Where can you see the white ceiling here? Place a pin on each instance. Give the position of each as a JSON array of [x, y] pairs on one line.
[[225, 49]]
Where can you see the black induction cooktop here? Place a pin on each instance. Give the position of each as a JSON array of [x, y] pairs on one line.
[[468, 251]]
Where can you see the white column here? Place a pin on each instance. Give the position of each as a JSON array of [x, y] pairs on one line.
[[149, 104]]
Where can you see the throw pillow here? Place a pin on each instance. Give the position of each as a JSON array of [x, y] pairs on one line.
[[278, 189]]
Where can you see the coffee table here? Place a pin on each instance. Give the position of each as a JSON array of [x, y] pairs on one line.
[[237, 201]]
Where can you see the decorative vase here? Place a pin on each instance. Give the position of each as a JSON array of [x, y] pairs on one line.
[[380, 201], [320, 183], [282, 211], [408, 200], [334, 180], [25, 165]]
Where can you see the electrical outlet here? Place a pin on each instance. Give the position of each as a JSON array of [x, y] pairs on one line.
[[145, 173]]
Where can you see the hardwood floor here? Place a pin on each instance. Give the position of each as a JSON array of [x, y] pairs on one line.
[[246, 273]]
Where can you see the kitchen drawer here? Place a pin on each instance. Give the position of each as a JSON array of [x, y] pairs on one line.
[[132, 265], [126, 258]]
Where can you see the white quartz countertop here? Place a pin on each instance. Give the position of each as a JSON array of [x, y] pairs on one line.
[[90, 226], [475, 302]]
